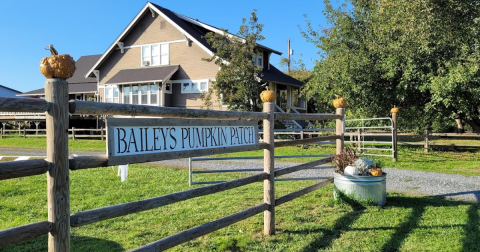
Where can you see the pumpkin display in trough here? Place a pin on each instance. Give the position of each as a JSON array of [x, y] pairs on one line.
[[339, 102], [57, 66], [268, 95]]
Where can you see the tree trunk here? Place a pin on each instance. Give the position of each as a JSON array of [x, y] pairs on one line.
[[458, 120], [475, 124]]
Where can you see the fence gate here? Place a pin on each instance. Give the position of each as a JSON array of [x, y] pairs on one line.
[[380, 134]]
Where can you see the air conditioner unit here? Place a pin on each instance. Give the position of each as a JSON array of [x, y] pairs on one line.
[[146, 63]]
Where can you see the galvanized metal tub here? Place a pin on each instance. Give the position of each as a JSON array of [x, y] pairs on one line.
[[363, 188]]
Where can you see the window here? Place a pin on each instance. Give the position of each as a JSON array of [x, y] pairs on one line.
[[155, 55], [111, 94], [258, 59], [145, 94], [194, 86], [168, 88]]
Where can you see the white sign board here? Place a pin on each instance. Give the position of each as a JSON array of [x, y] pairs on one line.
[[135, 140]]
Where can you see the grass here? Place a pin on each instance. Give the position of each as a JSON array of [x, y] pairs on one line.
[[314, 222], [41, 143]]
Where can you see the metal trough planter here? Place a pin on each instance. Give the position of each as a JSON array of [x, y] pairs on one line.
[[362, 188]]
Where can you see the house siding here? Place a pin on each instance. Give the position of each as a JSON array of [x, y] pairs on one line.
[[157, 30]]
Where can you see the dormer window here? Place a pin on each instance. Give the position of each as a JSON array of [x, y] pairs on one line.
[[258, 59], [155, 55]]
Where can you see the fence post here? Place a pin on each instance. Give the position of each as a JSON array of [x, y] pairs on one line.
[[58, 194], [394, 135], [268, 167], [101, 132], [24, 133], [339, 129], [73, 133], [425, 145]]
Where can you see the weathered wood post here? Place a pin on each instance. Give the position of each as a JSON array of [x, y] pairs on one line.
[[339, 130], [268, 167], [101, 132], [340, 105], [394, 133], [58, 187], [56, 94], [73, 133]]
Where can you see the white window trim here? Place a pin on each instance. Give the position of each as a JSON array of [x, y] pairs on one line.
[[190, 82], [149, 102], [257, 56], [159, 55], [112, 90]]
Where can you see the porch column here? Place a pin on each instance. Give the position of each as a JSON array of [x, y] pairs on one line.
[[289, 97], [162, 94]]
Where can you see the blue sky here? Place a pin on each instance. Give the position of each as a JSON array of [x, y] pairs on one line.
[[89, 27]]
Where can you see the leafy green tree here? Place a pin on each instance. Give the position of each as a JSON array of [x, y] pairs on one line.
[[238, 78], [421, 55]]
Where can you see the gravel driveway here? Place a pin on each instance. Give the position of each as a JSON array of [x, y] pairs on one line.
[[450, 186]]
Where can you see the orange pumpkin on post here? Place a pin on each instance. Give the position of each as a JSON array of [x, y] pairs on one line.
[[57, 66], [268, 95], [339, 102]]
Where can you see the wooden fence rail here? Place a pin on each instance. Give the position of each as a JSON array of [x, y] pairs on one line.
[[58, 165]]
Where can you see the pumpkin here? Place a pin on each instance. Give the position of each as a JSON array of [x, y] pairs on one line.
[[268, 95], [394, 110], [57, 66], [339, 102], [376, 171]]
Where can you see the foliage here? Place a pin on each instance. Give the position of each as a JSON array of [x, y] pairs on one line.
[[238, 78], [206, 97], [297, 69], [344, 159], [420, 55]]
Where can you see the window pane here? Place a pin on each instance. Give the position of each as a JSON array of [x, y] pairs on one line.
[[155, 50], [259, 60], [134, 94], [145, 51], [203, 86], [195, 87], [109, 100], [144, 93], [115, 92], [186, 86], [115, 100], [164, 59], [153, 99], [153, 89], [108, 92], [168, 87], [126, 94], [155, 60]]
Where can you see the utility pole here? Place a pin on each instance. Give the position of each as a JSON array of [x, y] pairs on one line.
[[288, 52]]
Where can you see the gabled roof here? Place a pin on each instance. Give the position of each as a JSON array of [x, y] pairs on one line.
[[145, 74], [77, 83], [191, 28]]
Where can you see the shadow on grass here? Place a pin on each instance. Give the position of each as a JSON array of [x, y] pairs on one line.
[[77, 243], [342, 225]]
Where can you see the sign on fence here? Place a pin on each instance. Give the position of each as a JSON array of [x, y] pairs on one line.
[[133, 140]]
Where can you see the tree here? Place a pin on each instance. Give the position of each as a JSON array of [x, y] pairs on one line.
[[238, 78], [421, 55]]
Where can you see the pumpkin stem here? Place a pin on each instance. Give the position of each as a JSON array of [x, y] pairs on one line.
[[52, 50], [338, 96], [267, 87]]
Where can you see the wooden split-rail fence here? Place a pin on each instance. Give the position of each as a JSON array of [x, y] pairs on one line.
[[58, 165]]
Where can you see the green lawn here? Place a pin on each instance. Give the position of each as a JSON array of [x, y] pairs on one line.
[[310, 223]]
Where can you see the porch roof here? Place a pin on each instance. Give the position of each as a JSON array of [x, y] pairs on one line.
[[144, 74], [275, 75]]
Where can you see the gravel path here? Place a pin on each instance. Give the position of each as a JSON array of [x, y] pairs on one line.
[[450, 186]]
